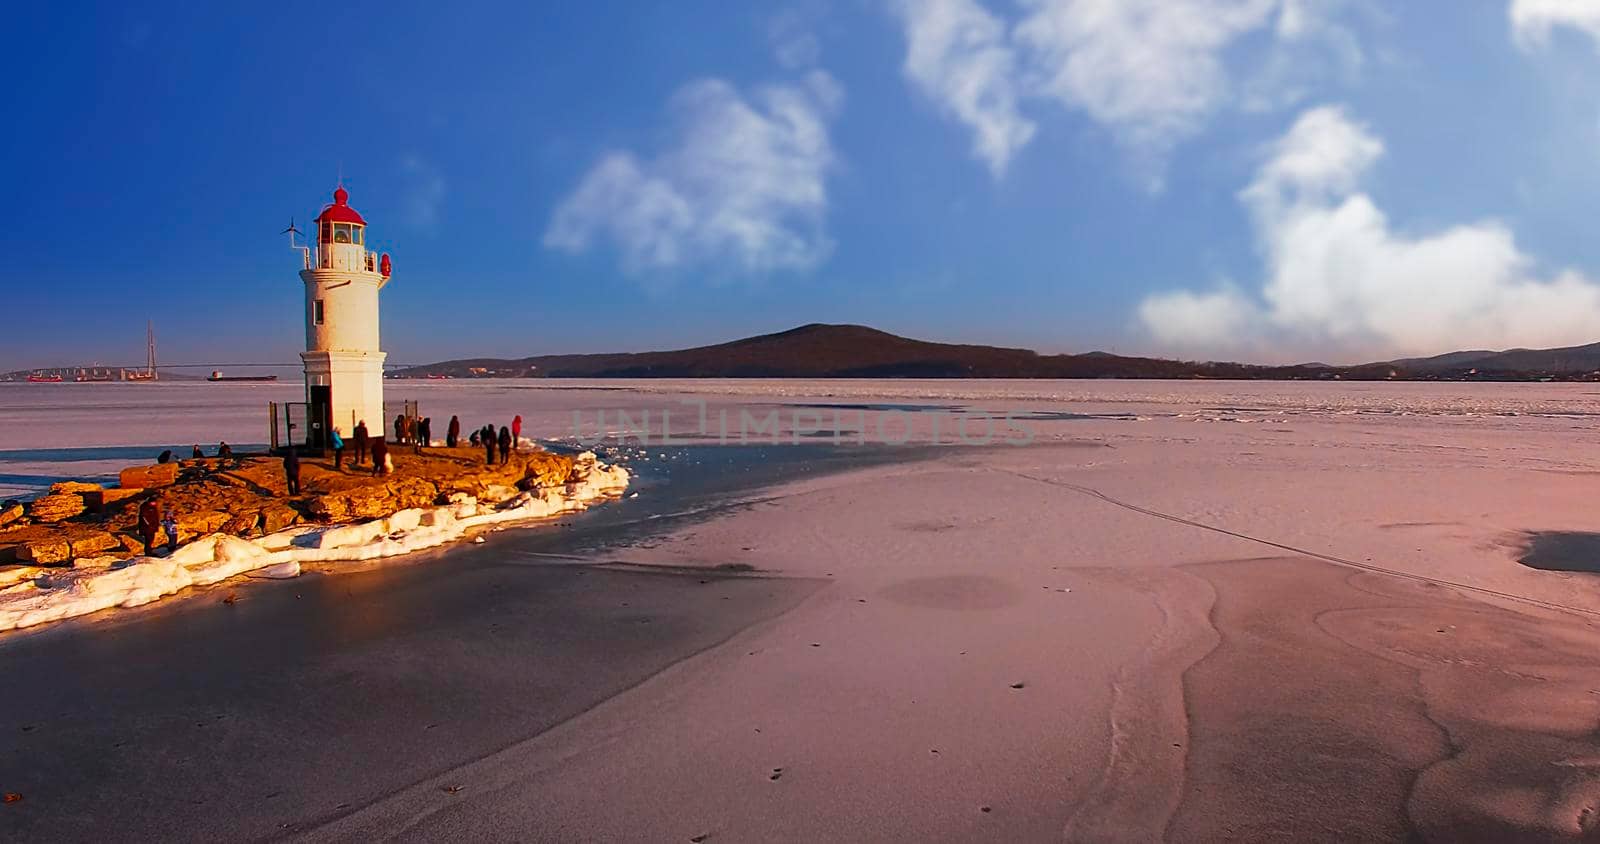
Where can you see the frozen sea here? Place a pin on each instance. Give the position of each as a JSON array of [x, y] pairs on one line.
[[52, 432], [1193, 611]]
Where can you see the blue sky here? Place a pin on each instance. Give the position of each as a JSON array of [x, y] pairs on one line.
[[1260, 179]]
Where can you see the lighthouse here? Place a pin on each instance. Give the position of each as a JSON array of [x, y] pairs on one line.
[[343, 359]]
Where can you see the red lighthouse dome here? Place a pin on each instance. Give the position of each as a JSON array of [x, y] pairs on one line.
[[340, 211]]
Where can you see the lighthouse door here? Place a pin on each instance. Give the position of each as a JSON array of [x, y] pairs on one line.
[[319, 419]]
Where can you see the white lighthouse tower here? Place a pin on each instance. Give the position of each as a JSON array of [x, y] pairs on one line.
[[343, 361]]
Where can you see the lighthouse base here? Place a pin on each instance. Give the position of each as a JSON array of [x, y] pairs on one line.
[[348, 388]]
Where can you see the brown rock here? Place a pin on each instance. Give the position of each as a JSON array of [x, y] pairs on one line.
[[148, 477], [276, 517], [131, 544], [93, 543], [374, 501], [55, 507], [45, 552], [75, 487], [545, 469], [10, 514], [242, 524], [100, 499], [192, 523]]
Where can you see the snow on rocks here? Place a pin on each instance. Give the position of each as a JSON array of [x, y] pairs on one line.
[[38, 596]]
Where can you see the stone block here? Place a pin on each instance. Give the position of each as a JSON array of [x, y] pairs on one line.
[[242, 524], [99, 499], [277, 517], [54, 508], [148, 477], [45, 552], [93, 543], [75, 487]]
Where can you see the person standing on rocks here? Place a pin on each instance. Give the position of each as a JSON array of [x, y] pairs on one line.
[[338, 449], [291, 471], [169, 523], [380, 456], [224, 450], [516, 431], [505, 444], [360, 436], [400, 429], [198, 454], [486, 436], [149, 522], [452, 434]]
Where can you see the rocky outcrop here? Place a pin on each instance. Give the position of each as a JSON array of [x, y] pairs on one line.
[[92, 583], [246, 497], [373, 502]]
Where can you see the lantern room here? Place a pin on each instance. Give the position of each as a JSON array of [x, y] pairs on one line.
[[339, 223], [342, 236]]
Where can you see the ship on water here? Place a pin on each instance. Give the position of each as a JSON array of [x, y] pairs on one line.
[[216, 375], [41, 378]]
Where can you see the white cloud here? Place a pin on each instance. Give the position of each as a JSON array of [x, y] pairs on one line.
[[958, 56], [1532, 21], [742, 186], [1339, 280], [1190, 321], [424, 192], [1150, 71]]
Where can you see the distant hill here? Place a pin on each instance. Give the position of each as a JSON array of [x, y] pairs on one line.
[[1573, 360], [855, 351]]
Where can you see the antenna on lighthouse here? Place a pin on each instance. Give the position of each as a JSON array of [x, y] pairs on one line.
[[291, 231]]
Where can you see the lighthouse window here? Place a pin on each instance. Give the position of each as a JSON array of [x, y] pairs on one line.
[[316, 312], [356, 234], [327, 233], [341, 232]]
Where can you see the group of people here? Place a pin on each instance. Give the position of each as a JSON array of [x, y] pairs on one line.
[[417, 432], [490, 441], [502, 443], [223, 450], [497, 445], [365, 444]]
